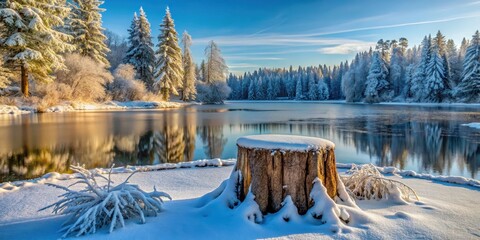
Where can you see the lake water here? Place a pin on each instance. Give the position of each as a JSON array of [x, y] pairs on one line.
[[425, 139]]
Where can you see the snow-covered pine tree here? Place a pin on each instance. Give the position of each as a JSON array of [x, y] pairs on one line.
[[377, 82], [454, 63], [469, 88], [168, 69], [144, 56], [298, 89], [434, 84], [312, 86], [132, 41], [85, 25], [322, 90], [418, 81], [215, 67], [189, 90], [32, 41]]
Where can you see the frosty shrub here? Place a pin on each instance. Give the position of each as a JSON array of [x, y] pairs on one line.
[[366, 182], [96, 206], [86, 77], [213, 93], [124, 86], [51, 94]]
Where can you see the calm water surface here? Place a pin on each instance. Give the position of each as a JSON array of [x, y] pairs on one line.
[[424, 139]]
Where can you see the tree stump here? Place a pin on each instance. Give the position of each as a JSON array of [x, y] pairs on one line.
[[275, 166]]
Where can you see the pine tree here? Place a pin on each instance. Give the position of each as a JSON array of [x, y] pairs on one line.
[[299, 89], [215, 67], [469, 88], [189, 90], [85, 25], [32, 41], [377, 83], [312, 86], [418, 81], [434, 85], [143, 54], [454, 63], [168, 69], [322, 90], [132, 41]]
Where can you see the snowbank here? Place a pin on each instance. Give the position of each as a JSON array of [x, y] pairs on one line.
[[284, 142], [445, 212], [6, 109], [472, 125], [409, 173], [112, 105], [54, 176]]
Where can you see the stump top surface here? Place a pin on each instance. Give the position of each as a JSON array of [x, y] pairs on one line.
[[284, 142]]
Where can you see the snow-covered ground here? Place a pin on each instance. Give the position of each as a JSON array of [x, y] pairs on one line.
[[445, 210], [79, 106]]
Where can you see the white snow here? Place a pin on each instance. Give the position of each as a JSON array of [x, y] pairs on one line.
[[13, 110], [284, 142], [472, 125], [81, 106], [445, 211]]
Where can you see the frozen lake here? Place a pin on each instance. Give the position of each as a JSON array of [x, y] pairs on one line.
[[422, 138]]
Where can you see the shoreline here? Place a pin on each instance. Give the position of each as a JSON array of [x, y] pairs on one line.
[[91, 107]]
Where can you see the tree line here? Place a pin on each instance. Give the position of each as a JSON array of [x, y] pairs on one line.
[[47, 41], [436, 71]]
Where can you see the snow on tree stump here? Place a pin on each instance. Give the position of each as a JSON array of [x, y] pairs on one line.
[[273, 167]]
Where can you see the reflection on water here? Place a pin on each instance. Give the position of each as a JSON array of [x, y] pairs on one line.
[[421, 139]]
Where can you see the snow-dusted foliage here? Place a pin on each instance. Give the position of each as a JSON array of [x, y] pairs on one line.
[[124, 86], [377, 84], [97, 205], [189, 91], [140, 53], [323, 92], [215, 67], [214, 93], [469, 88], [168, 69], [86, 77], [30, 39], [5, 75], [85, 25], [366, 182]]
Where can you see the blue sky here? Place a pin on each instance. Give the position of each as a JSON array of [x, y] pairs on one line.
[[279, 33]]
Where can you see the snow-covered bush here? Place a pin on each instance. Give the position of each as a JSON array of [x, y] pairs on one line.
[[366, 182], [215, 92], [124, 86], [96, 206], [86, 77]]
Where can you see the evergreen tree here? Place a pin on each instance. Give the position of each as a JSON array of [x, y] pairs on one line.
[[168, 69], [322, 90], [418, 83], [133, 41], [434, 85], [143, 58], [298, 89], [189, 90], [312, 87], [32, 41], [454, 63], [85, 25], [469, 88], [377, 82]]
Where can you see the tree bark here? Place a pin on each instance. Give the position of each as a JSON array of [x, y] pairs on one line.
[[272, 175], [24, 78]]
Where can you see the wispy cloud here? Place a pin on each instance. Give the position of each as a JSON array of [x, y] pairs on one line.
[[380, 27], [347, 48], [248, 58], [242, 65]]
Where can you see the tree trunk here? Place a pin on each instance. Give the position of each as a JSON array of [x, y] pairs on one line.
[[24, 77], [272, 175]]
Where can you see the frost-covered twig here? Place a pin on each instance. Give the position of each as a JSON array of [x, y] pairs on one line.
[[367, 182], [97, 206]]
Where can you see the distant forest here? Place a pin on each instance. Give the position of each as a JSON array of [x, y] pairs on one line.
[[435, 71]]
